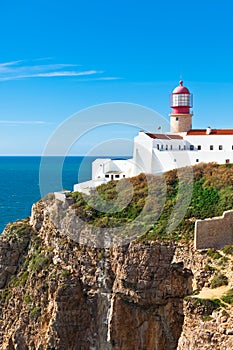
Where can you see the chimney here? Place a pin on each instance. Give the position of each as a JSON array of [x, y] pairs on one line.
[[208, 130]]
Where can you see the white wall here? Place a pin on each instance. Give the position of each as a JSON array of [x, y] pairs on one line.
[[206, 140], [154, 160], [148, 158]]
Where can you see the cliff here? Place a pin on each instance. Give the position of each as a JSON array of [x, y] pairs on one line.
[[149, 294], [59, 295]]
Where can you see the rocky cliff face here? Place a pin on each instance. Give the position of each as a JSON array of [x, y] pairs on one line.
[[57, 294]]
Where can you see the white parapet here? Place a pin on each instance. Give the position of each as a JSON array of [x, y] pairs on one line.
[[87, 186], [61, 195]]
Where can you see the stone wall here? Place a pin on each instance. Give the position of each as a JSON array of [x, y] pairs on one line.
[[180, 122], [215, 232]]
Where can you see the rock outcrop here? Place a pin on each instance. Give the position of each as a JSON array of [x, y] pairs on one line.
[[58, 294]]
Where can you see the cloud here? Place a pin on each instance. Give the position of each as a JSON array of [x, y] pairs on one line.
[[68, 74], [24, 122], [15, 70], [7, 64]]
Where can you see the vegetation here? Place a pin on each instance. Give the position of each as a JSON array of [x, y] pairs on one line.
[[228, 249], [27, 299], [154, 198], [214, 254], [64, 274], [209, 268], [218, 281], [35, 312], [207, 318], [19, 280], [223, 261], [228, 298], [19, 230], [39, 262], [205, 307], [5, 294]]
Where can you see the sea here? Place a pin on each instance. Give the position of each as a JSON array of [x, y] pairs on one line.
[[20, 181]]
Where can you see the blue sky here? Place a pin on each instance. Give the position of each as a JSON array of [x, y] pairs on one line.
[[60, 57]]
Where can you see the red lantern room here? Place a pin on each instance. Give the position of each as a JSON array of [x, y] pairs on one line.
[[181, 100]]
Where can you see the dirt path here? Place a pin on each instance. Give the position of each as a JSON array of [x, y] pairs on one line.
[[208, 293]]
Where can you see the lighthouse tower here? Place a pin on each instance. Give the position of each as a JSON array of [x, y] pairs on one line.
[[181, 100]]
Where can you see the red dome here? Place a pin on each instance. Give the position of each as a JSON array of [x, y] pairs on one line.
[[181, 89]]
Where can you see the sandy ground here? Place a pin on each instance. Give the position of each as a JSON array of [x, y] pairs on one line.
[[208, 293]]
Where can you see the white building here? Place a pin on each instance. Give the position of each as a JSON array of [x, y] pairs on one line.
[[156, 153]]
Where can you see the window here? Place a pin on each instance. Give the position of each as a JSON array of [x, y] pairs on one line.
[[177, 119], [179, 146], [220, 147], [117, 176], [157, 146], [171, 147], [232, 147], [161, 146], [181, 100], [199, 147], [227, 161], [191, 147], [107, 176], [184, 147], [211, 147], [197, 160], [166, 147]]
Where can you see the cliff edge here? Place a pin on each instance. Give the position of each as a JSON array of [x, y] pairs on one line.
[[149, 294]]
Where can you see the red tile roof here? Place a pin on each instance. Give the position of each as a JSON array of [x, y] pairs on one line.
[[199, 132], [164, 136]]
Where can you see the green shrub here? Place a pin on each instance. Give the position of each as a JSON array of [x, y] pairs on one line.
[[19, 230], [64, 273], [39, 262], [214, 254], [19, 280], [212, 194], [35, 312], [205, 306], [228, 249], [27, 299], [23, 278], [228, 298], [218, 281], [207, 318], [6, 294], [223, 261]]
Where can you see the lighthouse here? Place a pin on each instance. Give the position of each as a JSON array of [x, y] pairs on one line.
[[155, 153], [181, 100]]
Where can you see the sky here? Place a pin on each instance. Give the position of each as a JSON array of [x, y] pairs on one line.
[[60, 57]]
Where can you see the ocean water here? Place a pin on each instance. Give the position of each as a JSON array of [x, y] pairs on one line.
[[19, 182]]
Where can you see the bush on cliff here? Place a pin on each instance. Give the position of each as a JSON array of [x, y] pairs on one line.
[[212, 193], [228, 298], [218, 281]]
